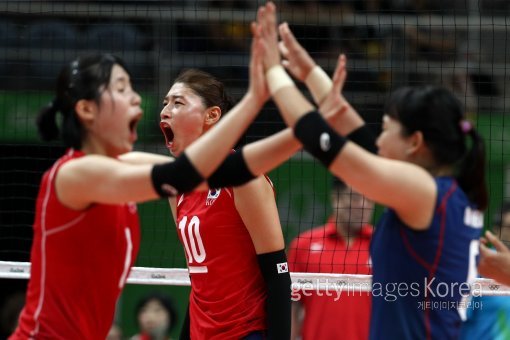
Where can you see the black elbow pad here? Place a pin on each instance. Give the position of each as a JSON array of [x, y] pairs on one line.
[[364, 138], [171, 178], [318, 138], [232, 172]]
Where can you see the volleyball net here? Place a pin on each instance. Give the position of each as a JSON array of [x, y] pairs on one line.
[[462, 45]]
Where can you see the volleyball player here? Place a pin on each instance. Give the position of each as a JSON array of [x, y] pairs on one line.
[[232, 236], [425, 245], [86, 233]]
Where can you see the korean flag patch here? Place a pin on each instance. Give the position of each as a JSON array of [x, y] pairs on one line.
[[282, 267], [212, 195]]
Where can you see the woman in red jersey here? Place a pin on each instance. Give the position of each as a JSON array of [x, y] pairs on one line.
[[240, 285], [86, 232]]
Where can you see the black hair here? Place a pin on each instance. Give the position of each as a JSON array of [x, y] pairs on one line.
[[438, 114], [164, 300], [210, 89], [83, 78]]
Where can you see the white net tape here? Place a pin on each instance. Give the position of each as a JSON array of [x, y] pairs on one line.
[[304, 281]]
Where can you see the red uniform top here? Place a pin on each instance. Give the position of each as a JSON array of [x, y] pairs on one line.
[[328, 315], [228, 292], [80, 262]]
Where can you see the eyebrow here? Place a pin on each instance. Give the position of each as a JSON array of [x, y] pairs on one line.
[[121, 79], [173, 97]]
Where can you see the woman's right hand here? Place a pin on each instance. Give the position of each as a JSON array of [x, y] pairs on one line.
[[296, 59], [266, 20], [258, 85]]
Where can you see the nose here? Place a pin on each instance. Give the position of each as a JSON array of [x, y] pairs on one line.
[[137, 99], [165, 113]]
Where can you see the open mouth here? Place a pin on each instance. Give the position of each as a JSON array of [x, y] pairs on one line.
[[133, 123], [168, 133]]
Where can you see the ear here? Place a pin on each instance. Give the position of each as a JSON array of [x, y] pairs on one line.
[[416, 143], [212, 115], [86, 110]]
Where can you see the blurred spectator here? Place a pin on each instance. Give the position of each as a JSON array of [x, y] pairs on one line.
[[155, 315], [340, 246], [115, 333], [115, 36], [488, 317], [9, 312], [440, 49]]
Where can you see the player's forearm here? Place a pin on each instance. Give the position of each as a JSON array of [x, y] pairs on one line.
[[292, 104], [268, 153], [223, 136]]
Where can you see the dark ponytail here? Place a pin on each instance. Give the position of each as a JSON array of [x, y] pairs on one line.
[[47, 121], [471, 171]]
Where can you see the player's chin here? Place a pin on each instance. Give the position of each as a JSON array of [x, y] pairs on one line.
[[176, 152], [126, 147]]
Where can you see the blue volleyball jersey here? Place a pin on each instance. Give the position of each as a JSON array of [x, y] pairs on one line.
[[420, 277]]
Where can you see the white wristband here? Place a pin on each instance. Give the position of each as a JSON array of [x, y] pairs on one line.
[[318, 83], [277, 78]]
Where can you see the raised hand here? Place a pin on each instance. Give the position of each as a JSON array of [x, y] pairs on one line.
[[296, 59], [266, 19], [334, 103], [258, 86], [335, 108], [494, 264]]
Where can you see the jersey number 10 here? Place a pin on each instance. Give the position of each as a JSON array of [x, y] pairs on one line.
[[190, 233]]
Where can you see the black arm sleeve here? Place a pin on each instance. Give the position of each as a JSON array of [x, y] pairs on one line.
[[276, 275], [171, 178], [318, 138], [364, 138], [232, 172]]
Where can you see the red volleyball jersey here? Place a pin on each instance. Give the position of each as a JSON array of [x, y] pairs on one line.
[[323, 250], [80, 262], [228, 292]]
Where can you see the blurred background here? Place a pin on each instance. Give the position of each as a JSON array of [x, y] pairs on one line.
[[461, 44]]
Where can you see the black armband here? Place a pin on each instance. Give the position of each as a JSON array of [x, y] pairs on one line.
[[364, 138], [232, 172], [275, 271], [171, 178], [318, 138]]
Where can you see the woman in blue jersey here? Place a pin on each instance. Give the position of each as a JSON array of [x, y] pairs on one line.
[[425, 245]]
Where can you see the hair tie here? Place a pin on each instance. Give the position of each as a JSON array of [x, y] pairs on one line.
[[466, 126], [73, 77]]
